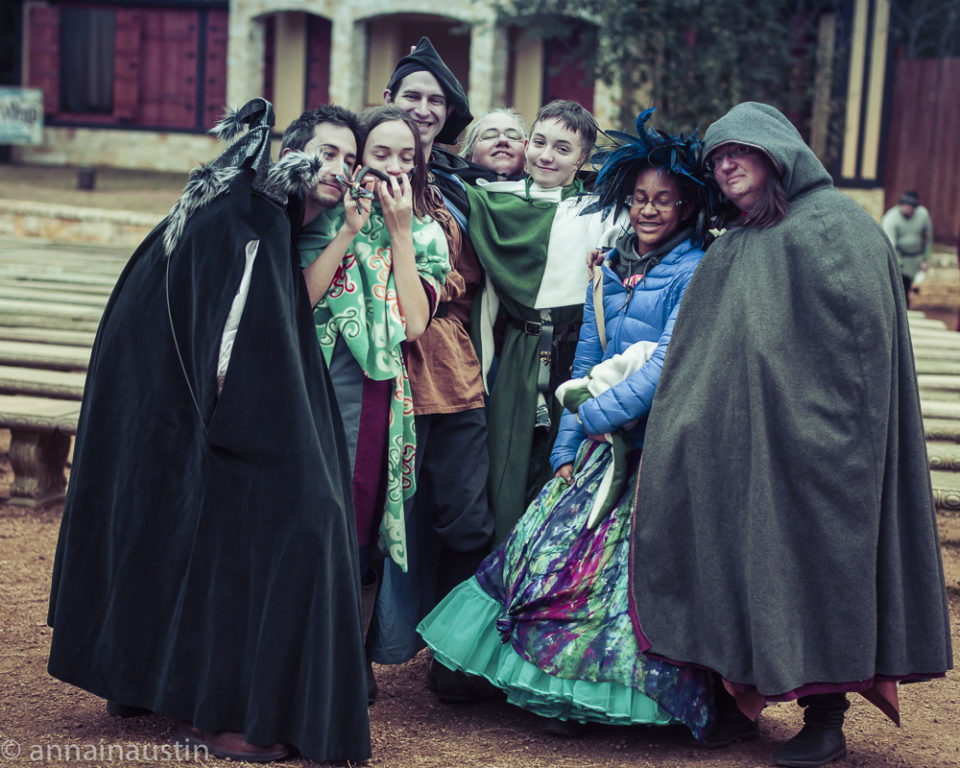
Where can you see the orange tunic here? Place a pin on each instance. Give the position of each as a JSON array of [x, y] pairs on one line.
[[442, 365]]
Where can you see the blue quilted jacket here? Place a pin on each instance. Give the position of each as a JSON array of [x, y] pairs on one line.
[[646, 313]]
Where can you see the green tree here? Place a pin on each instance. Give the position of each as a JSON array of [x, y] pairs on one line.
[[693, 59]]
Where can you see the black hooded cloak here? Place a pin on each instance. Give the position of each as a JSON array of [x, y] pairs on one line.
[[785, 531], [206, 564]]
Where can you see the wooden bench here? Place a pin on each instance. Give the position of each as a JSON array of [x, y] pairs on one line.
[[40, 433]]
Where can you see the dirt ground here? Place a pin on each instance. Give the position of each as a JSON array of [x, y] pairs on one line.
[[42, 718], [410, 729]]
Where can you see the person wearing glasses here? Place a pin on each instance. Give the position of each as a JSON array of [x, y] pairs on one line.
[[546, 617], [495, 141], [789, 538]]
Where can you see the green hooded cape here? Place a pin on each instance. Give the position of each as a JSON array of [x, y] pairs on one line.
[[785, 529]]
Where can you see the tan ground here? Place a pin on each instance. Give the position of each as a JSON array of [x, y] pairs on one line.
[[410, 729]]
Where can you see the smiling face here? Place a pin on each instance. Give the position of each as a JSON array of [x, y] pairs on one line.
[[391, 148], [740, 172], [658, 209], [499, 145], [553, 153], [419, 95], [337, 147]]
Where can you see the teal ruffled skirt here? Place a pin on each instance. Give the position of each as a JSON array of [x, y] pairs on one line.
[[546, 618]]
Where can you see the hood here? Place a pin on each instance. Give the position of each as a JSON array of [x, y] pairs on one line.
[[425, 57], [766, 128]]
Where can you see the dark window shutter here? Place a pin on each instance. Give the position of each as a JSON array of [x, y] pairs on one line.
[[215, 72], [269, 54], [126, 82], [43, 66], [168, 81], [318, 61], [566, 77]]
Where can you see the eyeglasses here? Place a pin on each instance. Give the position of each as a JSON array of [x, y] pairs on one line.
[[492, 134], [729, 152], [662, 203]]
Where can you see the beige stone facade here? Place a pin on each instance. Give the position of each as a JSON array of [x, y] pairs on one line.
[[112, 148], [365, 43]]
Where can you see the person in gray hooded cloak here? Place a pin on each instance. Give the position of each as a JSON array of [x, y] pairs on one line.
[[786, 537]]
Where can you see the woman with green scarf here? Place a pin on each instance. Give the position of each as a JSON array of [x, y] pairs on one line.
[[374, 266]]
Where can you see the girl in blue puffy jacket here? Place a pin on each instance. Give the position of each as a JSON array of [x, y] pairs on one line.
[[546, 618]]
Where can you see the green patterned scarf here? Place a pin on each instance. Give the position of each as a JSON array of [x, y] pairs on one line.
[[361, 305]]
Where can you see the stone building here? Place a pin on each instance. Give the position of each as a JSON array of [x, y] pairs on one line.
[[136, 84]]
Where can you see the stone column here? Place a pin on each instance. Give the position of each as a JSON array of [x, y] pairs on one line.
[[484, 65], [348, 59], [245, 53]]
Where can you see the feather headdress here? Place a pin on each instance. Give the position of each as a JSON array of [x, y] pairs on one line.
[[625, 155]]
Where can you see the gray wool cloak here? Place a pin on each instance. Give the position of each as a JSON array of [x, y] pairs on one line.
[[785, 531]]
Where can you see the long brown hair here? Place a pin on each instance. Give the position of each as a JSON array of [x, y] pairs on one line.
[[771, 205], [427, 200]]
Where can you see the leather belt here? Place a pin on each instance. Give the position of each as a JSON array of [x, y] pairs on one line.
[[543, 329]]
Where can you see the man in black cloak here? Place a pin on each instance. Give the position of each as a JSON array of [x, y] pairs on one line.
[[205, 568], [785, 530]]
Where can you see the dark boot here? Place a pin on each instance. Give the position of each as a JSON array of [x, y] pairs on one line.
[[116, 709], [456, 687], [730, 724], [821, 739], [369, 588], [456, 567]]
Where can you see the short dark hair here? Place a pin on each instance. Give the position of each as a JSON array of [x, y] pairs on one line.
[[574, 116], [300, 132]]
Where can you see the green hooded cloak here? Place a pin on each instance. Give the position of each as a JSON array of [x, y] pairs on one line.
[[785, 528]]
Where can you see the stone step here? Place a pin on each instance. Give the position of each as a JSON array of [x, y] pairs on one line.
[[944, 456], [61, 295], [51, 308], [926, 344], [944, 430], [39, 412], [57, 357], [66, 385], [924, 322], [946, 490], [940, 366], [93, 284], [940, 409], [48, 336], [938, 386], [40, 320]]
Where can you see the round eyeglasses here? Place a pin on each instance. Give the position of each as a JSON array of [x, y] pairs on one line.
[[663, 203], [492, 134]]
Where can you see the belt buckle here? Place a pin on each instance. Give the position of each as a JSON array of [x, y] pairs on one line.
[[532, 328]]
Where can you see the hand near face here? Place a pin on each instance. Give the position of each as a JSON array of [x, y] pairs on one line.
[[396, 200], [357, 211]]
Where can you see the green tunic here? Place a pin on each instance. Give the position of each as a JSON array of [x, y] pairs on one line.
[[533, 245]]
